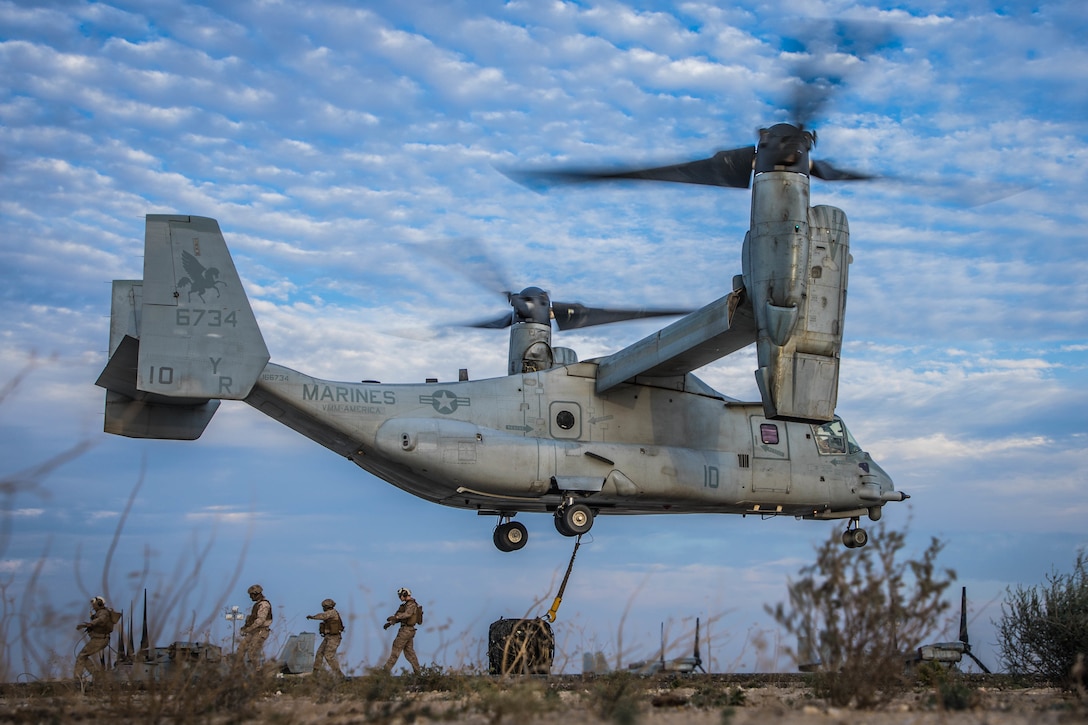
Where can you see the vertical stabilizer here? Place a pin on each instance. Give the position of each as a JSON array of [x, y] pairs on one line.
[[198, 338], [181, 338]]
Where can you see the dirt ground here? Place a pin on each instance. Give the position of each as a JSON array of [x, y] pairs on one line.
[[788, 704], [699, 700]]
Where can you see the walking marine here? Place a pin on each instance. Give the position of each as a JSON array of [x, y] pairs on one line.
[[99, 628], [256, 629], [408, 615], [254, 634], [331, 630]]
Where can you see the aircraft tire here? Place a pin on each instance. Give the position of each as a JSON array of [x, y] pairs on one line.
[[510, 536], [577, 518], [499, 541], [855, 538]]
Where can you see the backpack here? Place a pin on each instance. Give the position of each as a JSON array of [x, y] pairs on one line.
[[418, 618], [104, 627], [334, 626]]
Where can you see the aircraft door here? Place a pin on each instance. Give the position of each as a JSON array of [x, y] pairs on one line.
[[535, 424], [771, 467]]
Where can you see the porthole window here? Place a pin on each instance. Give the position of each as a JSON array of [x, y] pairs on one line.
[[565, 419]]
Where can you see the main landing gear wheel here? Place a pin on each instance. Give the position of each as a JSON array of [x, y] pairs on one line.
[[854, 538], [510, 536], [573, 519]]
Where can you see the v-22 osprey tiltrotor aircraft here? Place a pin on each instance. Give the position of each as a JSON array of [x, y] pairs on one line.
[[634, 432]]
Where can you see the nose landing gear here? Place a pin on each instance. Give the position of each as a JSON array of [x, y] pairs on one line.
[[854, 537]]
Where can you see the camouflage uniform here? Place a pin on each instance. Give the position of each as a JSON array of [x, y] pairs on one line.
[[330, 630], [407, 616], [256, 629], [100, 627]]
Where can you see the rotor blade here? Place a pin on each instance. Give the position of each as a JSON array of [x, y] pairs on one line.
[[810, 96], [828, 52], [574, 315], [731, 169], [827, 172], [498, 323], [470, 259], [966, 192]]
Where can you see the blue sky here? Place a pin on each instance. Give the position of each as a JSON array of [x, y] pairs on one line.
[[337, 142]]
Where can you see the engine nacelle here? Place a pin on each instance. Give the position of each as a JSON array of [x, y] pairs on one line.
[[797, 278], [530, 348]]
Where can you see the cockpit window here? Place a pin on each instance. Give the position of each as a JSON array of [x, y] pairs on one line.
[[833, 438]]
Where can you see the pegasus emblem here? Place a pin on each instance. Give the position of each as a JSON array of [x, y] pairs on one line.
[[202, 278]]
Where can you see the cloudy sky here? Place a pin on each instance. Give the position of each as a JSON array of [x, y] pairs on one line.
[[350, 153]]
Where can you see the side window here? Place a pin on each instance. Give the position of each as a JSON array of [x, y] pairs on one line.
[[768, 434], [770, 440]]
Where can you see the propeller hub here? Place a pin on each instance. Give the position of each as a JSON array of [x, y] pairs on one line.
[[532, 304], [784, 147]]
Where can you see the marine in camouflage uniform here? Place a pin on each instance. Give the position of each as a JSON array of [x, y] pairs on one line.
[[256, 629], [331, 630], [100, 627], [408, 617]]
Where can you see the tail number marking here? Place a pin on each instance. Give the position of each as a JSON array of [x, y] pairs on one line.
[[710, 477], [195, 317], [164, 375]]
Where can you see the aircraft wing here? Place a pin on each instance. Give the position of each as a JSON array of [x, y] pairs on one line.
[[711, 332]]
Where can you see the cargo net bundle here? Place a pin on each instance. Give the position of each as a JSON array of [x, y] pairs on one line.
[[520, 647]]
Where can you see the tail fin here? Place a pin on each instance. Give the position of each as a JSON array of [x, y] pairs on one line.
[[182, 338]]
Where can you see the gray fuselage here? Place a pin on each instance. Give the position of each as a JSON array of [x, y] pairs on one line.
[[525, 442]]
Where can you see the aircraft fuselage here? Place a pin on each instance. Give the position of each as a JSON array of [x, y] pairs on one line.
[[529, 442]]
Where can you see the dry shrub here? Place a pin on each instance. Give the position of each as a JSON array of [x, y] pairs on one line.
[[616, 696], [189, 692], [24, 616], [861, 609]]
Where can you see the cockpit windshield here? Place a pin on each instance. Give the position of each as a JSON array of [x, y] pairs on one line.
[[833, 438]]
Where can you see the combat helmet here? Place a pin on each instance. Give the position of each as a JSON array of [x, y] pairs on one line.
[[327, 604], [255, 591]]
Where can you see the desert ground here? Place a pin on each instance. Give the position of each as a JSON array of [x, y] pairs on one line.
[[691, 699]]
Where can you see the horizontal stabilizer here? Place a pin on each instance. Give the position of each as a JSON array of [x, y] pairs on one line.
[[135, 414], [141, 419]]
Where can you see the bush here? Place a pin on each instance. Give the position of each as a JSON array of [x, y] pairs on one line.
[[859, 610], [616, 697], [1044, 628]]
